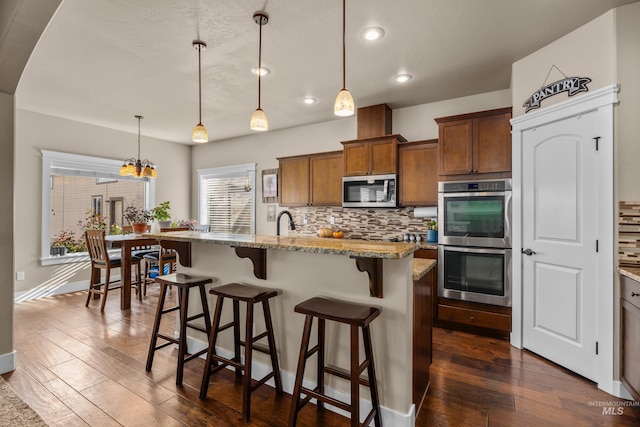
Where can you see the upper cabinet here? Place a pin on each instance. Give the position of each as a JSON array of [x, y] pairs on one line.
[[418, 173], [371, 156], [314, 179], [475, 143]]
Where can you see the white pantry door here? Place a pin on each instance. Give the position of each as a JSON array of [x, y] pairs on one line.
[[560, 227]]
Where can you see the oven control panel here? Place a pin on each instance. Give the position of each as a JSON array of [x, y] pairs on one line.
[[474, 186]]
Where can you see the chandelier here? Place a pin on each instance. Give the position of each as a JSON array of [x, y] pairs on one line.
[[136, 167]]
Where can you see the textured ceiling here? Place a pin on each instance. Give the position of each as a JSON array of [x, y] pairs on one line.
[[103, 61]]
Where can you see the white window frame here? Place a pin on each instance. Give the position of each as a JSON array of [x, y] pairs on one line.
[[90, 166], [248, 169]]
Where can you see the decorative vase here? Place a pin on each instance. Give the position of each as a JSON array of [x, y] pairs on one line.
[[164, 224], [432, 236], [139, 227]]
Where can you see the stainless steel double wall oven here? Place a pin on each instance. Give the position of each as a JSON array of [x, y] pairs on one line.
[[474, 241]]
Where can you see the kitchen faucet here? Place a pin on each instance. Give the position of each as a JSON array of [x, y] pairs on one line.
[[291, 223]]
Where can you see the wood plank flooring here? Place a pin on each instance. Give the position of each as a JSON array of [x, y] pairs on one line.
[[78, 367]]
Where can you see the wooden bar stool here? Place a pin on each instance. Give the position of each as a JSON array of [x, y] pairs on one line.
[[184, 283], [357, 316], [251, 295]]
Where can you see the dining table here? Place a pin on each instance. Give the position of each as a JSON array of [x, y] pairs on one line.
[[126, 243]]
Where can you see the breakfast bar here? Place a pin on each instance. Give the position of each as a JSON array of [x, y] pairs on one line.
[[374, 273]]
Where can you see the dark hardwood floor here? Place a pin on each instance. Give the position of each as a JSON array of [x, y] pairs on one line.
[[79, 367]]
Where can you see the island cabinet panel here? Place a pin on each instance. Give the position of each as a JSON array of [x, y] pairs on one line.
[[423, 298], [473, 317], [630, 335], [313, 179], [475, 143], [371, 156], [418, 173]]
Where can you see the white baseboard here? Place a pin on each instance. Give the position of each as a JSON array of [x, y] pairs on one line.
[[619, 390], [7, 362], [390, 417]]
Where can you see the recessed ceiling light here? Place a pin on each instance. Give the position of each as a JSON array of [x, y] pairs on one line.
[[309, 100], [372, 34], [264, 71], [403, 78]]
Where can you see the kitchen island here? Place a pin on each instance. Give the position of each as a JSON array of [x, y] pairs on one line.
[[307, 267]]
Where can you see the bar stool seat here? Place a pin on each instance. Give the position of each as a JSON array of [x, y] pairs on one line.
[[184, 282], [356, 316], [251, 295]]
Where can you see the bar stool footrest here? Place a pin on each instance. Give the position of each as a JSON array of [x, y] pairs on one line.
[[326, 399], [344, 374]]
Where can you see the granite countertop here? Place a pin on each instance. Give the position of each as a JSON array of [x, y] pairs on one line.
[[630, 272], [350, 247], [422, 266]]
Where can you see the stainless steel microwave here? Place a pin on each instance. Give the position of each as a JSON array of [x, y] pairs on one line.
[[370, 191]]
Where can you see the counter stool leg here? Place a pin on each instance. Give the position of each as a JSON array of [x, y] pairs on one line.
[[272, 345], [246, 379], [183, 295], [320, 364], [204, 387], [373, 387], [355, 377], [205, 310], [302, 359], [156, 326], [236, 334]]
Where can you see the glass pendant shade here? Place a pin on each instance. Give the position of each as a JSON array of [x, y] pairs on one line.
[[259, 120], [123, 169], [200, 134], [344, 105]]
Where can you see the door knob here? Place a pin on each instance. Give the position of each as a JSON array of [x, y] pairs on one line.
[[528, 252]]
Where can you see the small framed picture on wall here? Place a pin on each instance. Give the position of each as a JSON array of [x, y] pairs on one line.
[[270, 186]]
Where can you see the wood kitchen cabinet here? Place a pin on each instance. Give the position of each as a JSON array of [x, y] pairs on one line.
[[630, 335], [313, 179], [475, 143], [371, 156], [418, 173], [482, 319]]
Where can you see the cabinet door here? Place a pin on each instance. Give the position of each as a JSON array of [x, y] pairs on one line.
[[294, 181], [383, 157], [492, 144], [456, 147], [418, 174], [630, 337], [356, 159], [326, 179]]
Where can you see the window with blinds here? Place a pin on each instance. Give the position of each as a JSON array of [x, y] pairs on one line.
[[227, 199]]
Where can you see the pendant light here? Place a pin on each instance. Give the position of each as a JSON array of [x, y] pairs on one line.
[[344, 105], [200, 133], [259, 118], [136, 167]]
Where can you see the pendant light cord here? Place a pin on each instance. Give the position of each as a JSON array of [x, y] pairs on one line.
[[138, 117], [344, 45], [199, 86], [259, 62]]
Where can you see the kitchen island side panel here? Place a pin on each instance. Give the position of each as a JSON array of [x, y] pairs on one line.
[[300, 276]]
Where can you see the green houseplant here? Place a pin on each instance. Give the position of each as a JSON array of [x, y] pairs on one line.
[[161, 214], [432, 231], [138, 218]]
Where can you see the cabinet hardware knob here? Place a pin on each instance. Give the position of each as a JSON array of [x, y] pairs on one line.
[[475, 171], [472, 318], [633, 294], [470, 170]]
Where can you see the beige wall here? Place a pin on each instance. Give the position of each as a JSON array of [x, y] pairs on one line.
[[627, 124], [36, 132], [588, 51], [6, 234], [414, 123]]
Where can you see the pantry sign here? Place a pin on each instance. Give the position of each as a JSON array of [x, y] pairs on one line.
[[572, 85]]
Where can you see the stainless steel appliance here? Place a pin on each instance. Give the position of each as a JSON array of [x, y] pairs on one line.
[[475, 213], [475, 274], [371, 191], [474, 241]]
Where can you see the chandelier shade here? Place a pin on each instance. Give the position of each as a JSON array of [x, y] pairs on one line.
[[134, 166], [259, 120]]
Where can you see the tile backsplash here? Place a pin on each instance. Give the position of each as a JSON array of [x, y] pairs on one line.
[[359, 223], [629, 234]]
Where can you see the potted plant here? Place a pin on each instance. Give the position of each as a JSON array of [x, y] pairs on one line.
[[432, 231], [138, 218], [161, 214]]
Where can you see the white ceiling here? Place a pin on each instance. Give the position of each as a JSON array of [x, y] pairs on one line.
[[103, 61]]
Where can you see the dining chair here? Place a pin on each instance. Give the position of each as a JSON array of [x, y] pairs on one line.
[[102, 260]]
